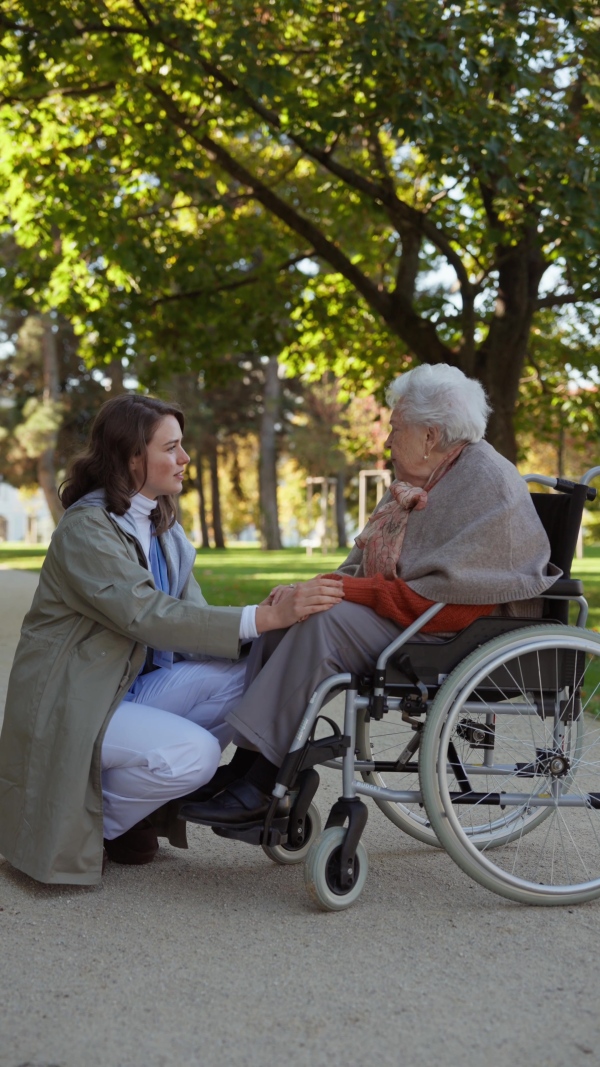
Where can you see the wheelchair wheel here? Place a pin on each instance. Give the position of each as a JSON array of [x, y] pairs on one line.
[[286, 854], [321, 876], [513, 738], [385, 740]]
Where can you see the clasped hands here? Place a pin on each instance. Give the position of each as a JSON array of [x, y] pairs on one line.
[[293, 603]]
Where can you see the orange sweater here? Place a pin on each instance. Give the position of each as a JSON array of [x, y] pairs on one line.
[[395, 600]]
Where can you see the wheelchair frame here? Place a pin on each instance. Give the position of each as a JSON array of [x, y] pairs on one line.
[[529, 673]]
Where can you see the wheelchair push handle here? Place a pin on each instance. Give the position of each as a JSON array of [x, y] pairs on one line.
[[564, 485], [590, 475]]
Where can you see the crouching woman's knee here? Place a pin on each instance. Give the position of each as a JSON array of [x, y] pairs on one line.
[[204, 765]]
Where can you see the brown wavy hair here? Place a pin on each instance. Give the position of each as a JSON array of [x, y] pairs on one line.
[[123, 428]]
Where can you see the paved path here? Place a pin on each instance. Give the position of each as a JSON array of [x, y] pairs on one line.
[[216, 958]]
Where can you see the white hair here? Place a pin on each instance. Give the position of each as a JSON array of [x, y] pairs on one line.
[[442, 396]]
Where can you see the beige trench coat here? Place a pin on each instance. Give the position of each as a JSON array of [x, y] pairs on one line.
[[82, 643]]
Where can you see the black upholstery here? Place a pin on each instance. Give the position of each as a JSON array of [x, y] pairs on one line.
[[431, 663], [561, 515]]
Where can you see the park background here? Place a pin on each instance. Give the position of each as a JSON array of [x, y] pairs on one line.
[[266, 211]]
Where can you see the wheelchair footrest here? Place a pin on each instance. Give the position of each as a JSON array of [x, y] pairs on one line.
[[255, 834]]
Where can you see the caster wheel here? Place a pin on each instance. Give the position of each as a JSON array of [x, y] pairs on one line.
[[286, 854], [322, 877]]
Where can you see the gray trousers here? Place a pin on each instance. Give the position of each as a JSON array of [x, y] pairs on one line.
[[285, 667]]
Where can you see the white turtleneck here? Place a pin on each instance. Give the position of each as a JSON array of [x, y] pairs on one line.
[[140, 510]]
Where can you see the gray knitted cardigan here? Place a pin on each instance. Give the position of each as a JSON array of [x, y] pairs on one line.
[[478, 541]]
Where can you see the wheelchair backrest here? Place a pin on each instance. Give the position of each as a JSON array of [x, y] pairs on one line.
[[561, 515]]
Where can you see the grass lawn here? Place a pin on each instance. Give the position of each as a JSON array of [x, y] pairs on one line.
[[234, 576], [242, 575], [247, 575]]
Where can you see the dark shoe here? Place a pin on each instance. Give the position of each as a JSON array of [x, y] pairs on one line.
[[137, 845], [222, 777], [240, 803]]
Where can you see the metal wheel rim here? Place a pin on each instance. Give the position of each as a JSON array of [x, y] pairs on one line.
[[574, 642]]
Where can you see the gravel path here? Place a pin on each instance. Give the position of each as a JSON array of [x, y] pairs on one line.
[[216, 957]]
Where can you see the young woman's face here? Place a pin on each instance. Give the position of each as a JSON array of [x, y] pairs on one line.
[[165, 459]]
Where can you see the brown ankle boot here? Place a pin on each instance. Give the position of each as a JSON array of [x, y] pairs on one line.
[[137, 845]]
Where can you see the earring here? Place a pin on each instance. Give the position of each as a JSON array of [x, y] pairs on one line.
[[426, 455]]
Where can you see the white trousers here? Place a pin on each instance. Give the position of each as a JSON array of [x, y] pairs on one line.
[[167, 740]]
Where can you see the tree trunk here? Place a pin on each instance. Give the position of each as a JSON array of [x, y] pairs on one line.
[[340, 508], [46, 470], [501, 357], [114, 372], [269, 515], [199, 483], [213, 461], [236, 473], [46, 476], [560, 451]]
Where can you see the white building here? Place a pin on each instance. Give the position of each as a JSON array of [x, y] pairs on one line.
[[24, 516]]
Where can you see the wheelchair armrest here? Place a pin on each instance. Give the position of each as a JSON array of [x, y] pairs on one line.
[[565, 587]]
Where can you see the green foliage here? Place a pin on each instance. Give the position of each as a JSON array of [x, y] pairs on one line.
[[31, 422], [558, 402], [165, 167], [42, 419]]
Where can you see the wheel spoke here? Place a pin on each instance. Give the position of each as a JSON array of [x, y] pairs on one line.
[[546, 852]]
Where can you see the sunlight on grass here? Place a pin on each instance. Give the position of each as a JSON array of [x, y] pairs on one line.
[[245, 575]]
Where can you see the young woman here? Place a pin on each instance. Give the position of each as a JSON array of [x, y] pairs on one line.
[[123, 673]]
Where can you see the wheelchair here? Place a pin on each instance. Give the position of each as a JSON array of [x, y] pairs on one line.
[[486, 744]]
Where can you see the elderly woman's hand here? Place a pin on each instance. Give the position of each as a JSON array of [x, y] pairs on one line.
[[287, 604]]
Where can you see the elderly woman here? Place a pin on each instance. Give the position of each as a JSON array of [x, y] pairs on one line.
[[457, 526], [123, 673]]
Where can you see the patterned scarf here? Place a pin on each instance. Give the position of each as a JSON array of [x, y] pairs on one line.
[[382, 538]]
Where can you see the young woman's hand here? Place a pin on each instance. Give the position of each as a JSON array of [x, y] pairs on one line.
[[287, 604]]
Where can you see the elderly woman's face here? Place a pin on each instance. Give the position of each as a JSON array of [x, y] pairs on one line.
[[410, 446]]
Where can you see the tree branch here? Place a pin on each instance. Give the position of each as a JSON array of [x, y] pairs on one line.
[[487, 196], [229, 286], [383, 193], [553, 300], [298, 223], [91, 27], [408, 264], [89, 90], [142, 11], [190, 293], [399, 313]]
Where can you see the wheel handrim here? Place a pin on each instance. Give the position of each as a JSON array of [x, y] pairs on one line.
[[558, 854]]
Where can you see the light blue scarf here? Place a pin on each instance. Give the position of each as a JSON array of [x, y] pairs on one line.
[[158, 566]]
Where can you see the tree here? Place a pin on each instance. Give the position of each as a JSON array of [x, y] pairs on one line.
[[558, 405], [435, 160], [334, 437], [247, 401], [48, 398]]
